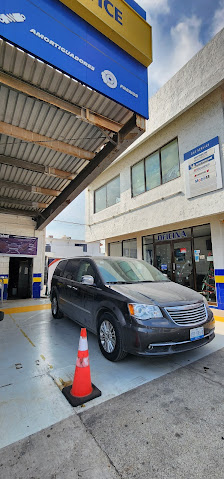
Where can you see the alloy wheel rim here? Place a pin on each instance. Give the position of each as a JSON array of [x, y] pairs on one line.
[[107, 336]]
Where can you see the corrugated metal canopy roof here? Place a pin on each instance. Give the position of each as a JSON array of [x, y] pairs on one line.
[[57, 135]]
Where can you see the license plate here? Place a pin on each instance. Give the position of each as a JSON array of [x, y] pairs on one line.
[[196, 333]]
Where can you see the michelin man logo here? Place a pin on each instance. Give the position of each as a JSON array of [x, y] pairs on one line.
[[109, 78], [12, 17]]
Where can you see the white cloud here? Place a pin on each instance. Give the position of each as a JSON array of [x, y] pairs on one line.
[[174, 49], [185, 40], [218, 19], [155, 6]]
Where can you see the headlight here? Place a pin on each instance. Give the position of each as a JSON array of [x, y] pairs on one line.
[[144, 311]]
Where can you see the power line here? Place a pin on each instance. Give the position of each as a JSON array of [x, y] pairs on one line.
[[71, 222]]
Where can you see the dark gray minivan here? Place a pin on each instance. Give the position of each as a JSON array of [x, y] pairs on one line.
[[131, 306]]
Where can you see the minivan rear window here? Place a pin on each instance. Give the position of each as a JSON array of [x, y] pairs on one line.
[[60, 268], [71, 269]]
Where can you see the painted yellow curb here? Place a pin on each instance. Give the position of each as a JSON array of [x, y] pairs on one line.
[[219, 318], [26, 309]]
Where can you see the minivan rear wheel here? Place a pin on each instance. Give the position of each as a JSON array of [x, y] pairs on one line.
[[110, 338], [56, 312]]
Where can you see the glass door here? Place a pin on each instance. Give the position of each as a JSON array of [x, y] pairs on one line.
[[182, 263], [163, 258]]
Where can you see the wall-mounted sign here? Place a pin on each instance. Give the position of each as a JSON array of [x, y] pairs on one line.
[[55, 34], [11, 245], [163, 267], [120, 22], [172, 235], [203, 169]]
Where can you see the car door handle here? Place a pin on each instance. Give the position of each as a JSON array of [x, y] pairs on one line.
[[73, 287], [69, 286]]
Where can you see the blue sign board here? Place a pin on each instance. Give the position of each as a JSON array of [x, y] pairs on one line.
[[53, 33], [203, 168], [201, 148]]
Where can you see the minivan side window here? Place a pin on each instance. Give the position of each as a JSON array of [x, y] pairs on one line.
[[71, 269], [60, 268], [86, 268]]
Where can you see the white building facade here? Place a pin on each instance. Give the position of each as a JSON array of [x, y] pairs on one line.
[[67, 247], [163, 199]]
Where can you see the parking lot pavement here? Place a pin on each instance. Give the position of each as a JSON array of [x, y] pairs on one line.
[[66, 450], [169, 428], [37, 358]]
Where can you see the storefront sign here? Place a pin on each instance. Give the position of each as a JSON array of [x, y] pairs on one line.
[[11, 245], [203, 169], [118, 21], [55, 34], [172, 235]]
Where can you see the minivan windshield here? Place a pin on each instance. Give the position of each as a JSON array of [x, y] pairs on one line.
[[127, 270]]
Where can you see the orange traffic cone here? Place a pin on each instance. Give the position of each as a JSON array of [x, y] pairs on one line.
[[82, 385], [82, 390]]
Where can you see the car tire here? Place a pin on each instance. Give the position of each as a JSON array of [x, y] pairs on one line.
[[110, 338], [56, 312]]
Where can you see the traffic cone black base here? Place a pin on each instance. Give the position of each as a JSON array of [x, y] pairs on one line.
[[78, 401]]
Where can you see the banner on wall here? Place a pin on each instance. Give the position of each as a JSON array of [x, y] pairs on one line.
[[55, 34], [11, 245], [203, 169]]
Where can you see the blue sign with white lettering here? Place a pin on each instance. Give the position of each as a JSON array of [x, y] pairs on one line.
[[201, 148], [52, 32]]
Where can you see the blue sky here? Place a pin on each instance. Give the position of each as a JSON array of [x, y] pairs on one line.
[[180, 28]]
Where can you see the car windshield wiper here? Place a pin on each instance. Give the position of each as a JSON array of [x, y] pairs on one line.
[[118, 282], [146, 281]]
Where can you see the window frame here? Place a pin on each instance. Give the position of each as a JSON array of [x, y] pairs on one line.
[[122, 246], [158, 150], [105, 185]]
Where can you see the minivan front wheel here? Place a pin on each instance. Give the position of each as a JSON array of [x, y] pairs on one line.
[[56, 313], [110, 338]]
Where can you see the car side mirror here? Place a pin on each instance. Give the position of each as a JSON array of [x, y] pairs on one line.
[[1, 315], [88, 280]]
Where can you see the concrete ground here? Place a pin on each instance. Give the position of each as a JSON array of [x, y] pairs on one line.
[[169, 426]]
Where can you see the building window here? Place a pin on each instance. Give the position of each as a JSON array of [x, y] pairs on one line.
[[126, 248], [152, 171], [83, 246], [148, 249], [130, 248], [170, 162], [138, 178], [115, 249], [158, 168], [107, 195]]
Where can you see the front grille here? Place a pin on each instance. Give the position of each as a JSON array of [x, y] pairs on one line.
[[188, 315]]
